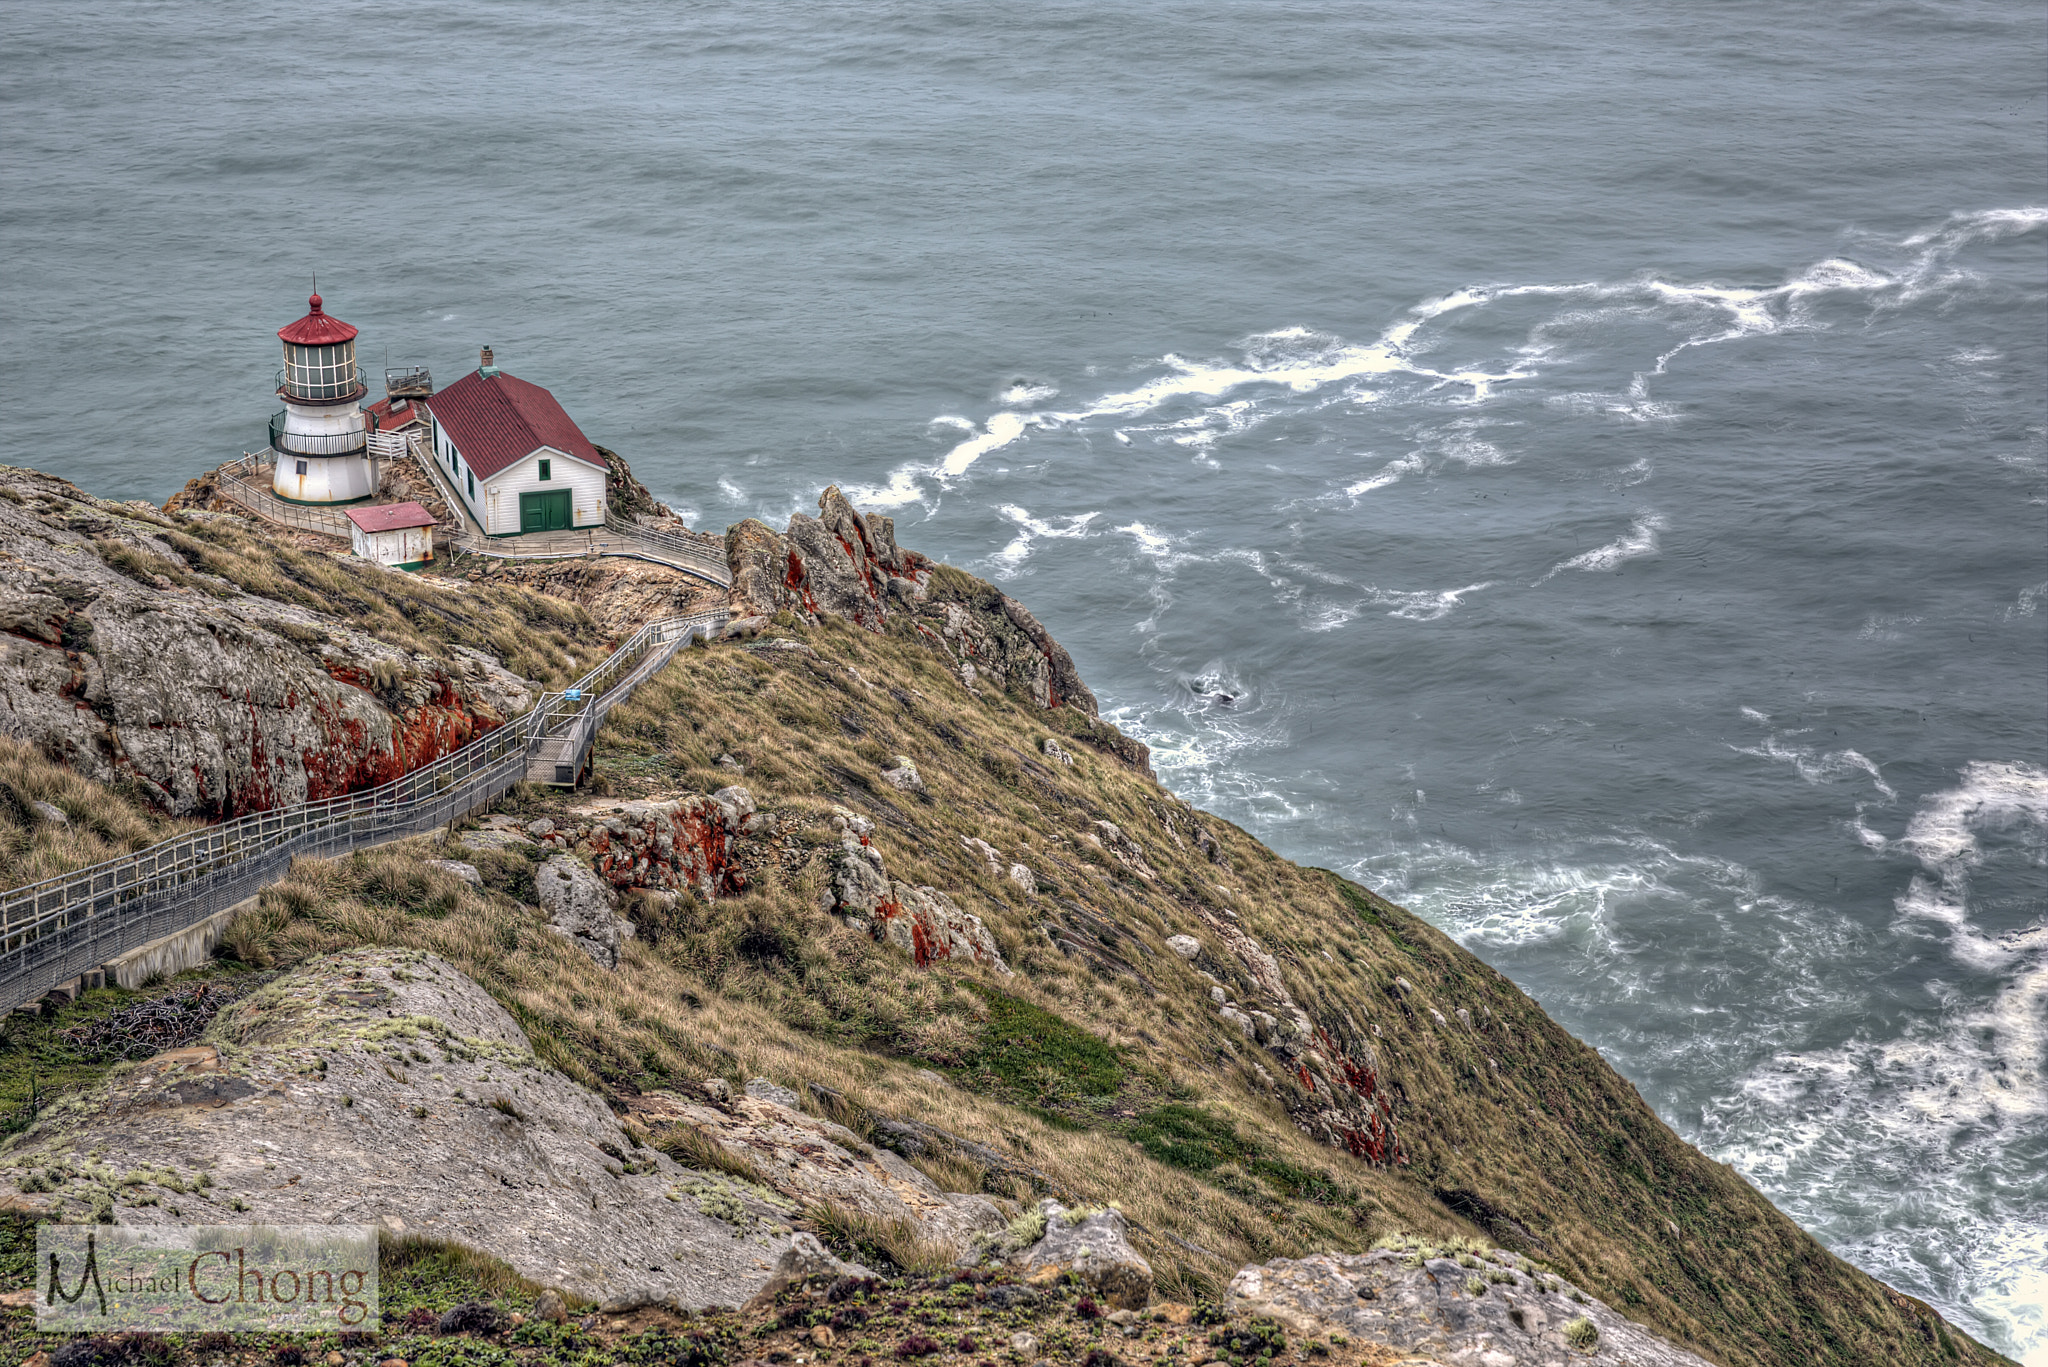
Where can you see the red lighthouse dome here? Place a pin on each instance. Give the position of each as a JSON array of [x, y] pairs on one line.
[[317, 328]]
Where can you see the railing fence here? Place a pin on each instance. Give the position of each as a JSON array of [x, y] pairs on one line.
[[63, 926]]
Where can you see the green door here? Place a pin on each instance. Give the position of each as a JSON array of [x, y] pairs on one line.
[[548, 512]]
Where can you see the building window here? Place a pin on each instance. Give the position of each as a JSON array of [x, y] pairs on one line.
[[545, 469], [472, 484], [302, 467], [320, 372]]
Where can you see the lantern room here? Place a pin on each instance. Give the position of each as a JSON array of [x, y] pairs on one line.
[[322, 452]]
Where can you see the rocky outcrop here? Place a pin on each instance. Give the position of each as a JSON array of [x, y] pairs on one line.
[[1094, 1247], [581, 908], [124, 662], [688, 843], [625, 495], [921, 921], [840, 562], [1491, 1311], [1342, 1100], [994, 637], [816, 1162], [385, 1087], [847, 563]]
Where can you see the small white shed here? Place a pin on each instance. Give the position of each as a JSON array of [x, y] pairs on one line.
[[399, 534]]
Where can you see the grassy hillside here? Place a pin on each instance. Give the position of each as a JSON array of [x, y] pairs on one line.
[[1102, 1063], [1101, 1068]]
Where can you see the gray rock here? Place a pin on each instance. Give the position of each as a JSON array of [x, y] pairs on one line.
[[1054, 750], [904, 776], [1024, 878], [761, 1089], [815, 1162], [1187, 946], [1096, 1248], [922, 921], [466, 872], [737, 802], [1023, 1344], [728, 762], [54, 816], [806, 1263], [581, 908], [927, 1075], [335, 1119], [550, 1307], [1498, 1313], [492, 840], [541, 828], [717, 1088], [216, 701]]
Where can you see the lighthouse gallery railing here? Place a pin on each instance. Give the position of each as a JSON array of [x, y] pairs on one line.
[[54, 930]]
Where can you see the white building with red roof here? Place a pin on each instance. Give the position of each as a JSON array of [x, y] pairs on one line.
[[517, 461], [400, 534]]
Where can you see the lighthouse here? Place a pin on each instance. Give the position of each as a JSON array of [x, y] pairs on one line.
[[322, 455]]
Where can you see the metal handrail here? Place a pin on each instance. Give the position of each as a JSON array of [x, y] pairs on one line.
[[269, 506], [705, 550], [55, 929], [313, 443]]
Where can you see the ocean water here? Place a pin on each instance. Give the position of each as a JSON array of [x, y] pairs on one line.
[[1580, 468]]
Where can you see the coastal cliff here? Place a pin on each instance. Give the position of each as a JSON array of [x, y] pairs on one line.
[[865, 926]]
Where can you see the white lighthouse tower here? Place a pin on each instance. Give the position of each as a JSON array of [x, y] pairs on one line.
[[322, 455]]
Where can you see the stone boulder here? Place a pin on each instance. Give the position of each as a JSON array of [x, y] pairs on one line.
[[841, 562], [921, 921], [384, 1087], [1500, 1312], [813, 1161], [582, 908], [688, 843], [1095, 1246], [758, 559], [215, 701]]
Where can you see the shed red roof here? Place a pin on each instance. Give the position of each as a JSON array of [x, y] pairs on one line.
[[496, 421], [382, 419], [390, 517], [317, 328]]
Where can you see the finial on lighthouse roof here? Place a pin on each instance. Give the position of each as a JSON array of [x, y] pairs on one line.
[[317, 328]]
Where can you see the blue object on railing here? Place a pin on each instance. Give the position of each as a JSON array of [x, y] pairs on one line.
[[573, 694]]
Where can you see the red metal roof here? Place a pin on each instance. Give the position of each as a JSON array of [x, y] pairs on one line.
[[390, 517], [382, 419], [496, 421], [317, 328]]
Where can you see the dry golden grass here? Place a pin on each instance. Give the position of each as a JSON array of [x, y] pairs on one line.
[[102, 824], [1506, 1120]]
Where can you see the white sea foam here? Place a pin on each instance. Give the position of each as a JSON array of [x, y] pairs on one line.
[[1010, 559], [1427, 606], [1992, 795], [1813, 764], [731, 490], [1024, 392], [1296, 361], [1639, 541], [2029, 599]]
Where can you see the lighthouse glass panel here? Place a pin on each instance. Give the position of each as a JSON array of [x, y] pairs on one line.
[[320, 372]]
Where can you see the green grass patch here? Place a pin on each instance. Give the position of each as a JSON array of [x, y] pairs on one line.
[[1029, 1051]]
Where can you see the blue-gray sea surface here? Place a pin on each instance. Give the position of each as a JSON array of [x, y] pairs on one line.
[[1578, 467]]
